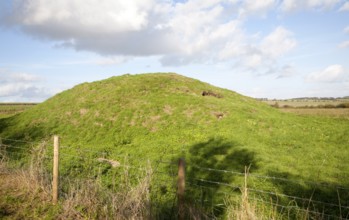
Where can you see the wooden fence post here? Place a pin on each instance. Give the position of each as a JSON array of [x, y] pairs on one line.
[[55, 169], [181, 188]]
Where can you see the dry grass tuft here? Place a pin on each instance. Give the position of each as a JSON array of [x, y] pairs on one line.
[[89, 200], [25, 192], [247, 209]]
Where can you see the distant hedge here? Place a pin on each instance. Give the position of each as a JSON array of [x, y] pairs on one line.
[[341, 105]]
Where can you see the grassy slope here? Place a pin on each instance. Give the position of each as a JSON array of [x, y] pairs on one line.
[[152, 115]]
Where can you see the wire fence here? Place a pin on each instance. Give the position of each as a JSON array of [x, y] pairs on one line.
[[208, 193]]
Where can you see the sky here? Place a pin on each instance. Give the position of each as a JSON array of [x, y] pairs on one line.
[[263, 49]]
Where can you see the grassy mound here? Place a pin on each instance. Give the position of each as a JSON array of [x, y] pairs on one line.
[[165, 115]]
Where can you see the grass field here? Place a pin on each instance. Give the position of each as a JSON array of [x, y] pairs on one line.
[[9, 109], [162, 117], [328, 112], [309, 103], [313, 107]]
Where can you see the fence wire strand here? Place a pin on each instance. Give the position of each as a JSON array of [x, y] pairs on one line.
[[270, 177], [297, 208]]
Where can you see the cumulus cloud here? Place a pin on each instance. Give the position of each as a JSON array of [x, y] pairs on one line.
[[108, 17], [112, 60], [346, 30], [344, 44], [25, 77], [178, 32], [22, 86], [345, 7], [105, 27], [256, 7], [262, 53], [295, 5], [6, 77], [279, 42], [331, 74], [286, 71]]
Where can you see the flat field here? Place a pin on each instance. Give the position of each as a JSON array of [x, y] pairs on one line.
[[337, 108], [307, 103], [329, 112], [9, 109]]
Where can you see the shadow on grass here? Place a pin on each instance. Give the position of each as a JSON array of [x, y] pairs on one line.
[[4, 123], [18, 140], [322, 200], [207, 180]]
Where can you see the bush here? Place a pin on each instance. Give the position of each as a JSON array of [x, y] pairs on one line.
[[343, 105]]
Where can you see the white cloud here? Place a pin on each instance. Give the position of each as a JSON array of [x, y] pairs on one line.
[[86, 15], [253, 61], [7, 76], [278, 42], [22, 86], [194, 31], [112, 61], [295, 5], [331, 74], [257, 7], [12, 89], [104, 27], [25, 77], [344, 44], [345, 7], [286, 71], [346, 30], [259, 53]]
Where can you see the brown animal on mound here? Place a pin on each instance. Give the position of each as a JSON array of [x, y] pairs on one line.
[[209, 93]]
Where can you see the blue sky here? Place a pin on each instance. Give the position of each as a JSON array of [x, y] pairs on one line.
[[271, 48]]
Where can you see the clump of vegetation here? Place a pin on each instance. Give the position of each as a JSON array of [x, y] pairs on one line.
[[343, 105]]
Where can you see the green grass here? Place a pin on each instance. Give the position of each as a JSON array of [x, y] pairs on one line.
[[149, 116]]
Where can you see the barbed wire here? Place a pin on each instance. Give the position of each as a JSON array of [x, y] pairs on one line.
[[20, 141], [8, 155], [210, 188], [16, 147], [165, 173], [101, 151], [217, 183], [270, 177], [296, 198], [296, 207], [96, 159], [167, 162], [273, 193], [70, 155]]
